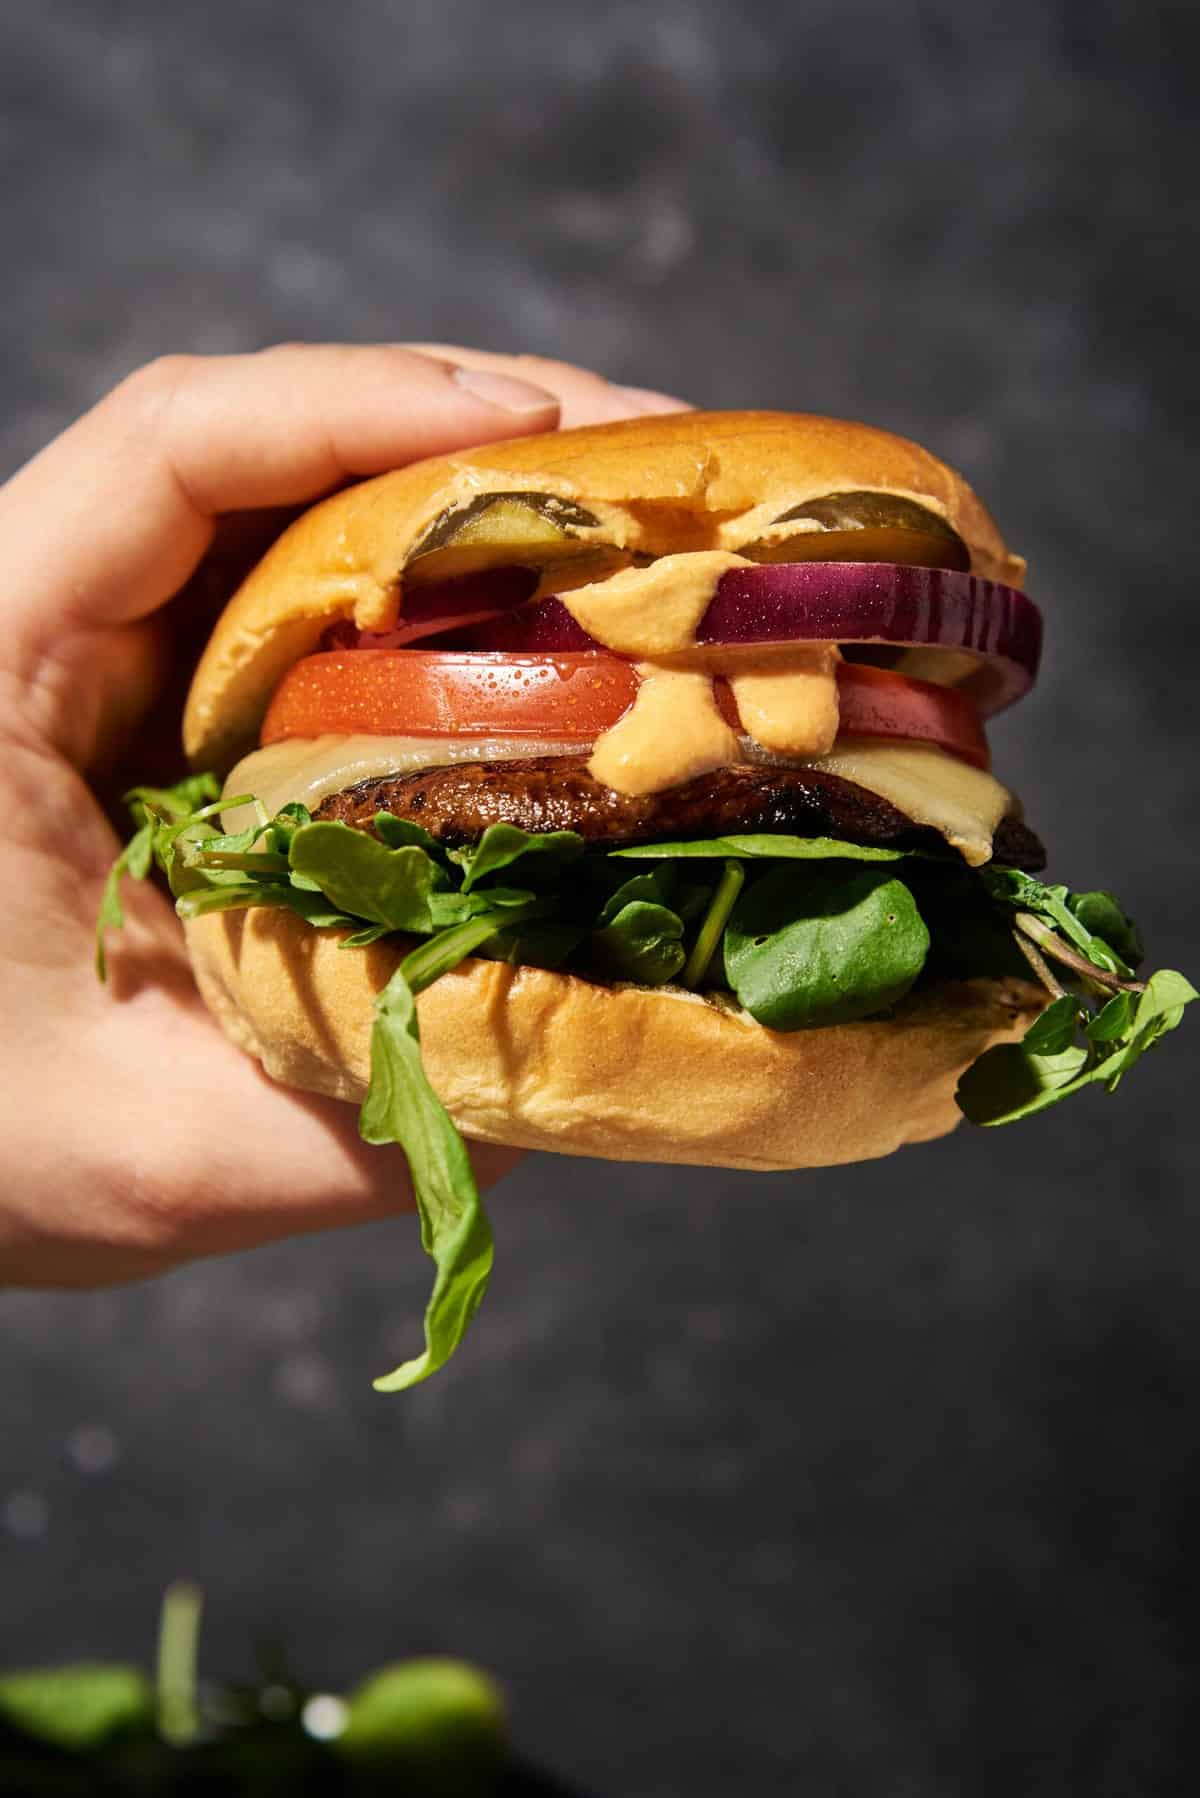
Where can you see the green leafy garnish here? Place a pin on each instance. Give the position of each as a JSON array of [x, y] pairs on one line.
[[643, 943], [831, 947], [437, 1723], [767, 848], [1014, 1080], [401, 1107], [150, 807], [365, 879], [712, 927], [504, 845], [78, 1707], [816, 935]]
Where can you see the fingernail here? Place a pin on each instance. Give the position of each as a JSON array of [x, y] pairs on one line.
[[645, 399], [504, 390]]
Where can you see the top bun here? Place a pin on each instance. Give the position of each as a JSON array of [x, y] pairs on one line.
[[345, 557]]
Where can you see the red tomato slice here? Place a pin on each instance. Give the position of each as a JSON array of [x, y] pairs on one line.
[[442, 693], [566, 698]]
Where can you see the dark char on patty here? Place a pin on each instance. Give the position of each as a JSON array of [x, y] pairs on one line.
[[556, 792]]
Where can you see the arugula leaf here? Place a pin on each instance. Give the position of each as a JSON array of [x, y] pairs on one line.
[[363, 939], [135, 860], [366, 879], [431, 960], [147, 806], [768, 848], [826, 949], [1015, 1080], [314, 908], [183, 800], [502, 845], [402, 1107], [402, 833]]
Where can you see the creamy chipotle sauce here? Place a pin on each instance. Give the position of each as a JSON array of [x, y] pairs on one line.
[[787, 699]]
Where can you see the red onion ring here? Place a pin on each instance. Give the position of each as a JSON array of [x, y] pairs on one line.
[[834, 602]]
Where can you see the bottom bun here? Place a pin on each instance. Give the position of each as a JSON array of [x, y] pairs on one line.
[[548, 1061]]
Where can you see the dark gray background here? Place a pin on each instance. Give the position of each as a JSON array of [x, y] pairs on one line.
[[882, 1480]]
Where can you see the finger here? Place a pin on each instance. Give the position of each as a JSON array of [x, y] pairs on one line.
[[587, 398], [113, 517]]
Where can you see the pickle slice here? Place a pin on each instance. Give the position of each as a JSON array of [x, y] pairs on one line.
[[864, 527], [525, 529]]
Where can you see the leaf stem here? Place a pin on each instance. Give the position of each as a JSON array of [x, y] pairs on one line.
[[253, 861], [1039, 965], [1053, 945], [715, 920], [178, 1634], [424, 965]]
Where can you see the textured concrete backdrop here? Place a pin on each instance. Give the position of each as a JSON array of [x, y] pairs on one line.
[[876, 1481]]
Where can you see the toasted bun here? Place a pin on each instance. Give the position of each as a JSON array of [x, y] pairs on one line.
[[345, 558], [547, 1061]]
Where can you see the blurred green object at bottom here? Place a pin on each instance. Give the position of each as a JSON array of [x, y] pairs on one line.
[[81, 1707], [438, 1722]]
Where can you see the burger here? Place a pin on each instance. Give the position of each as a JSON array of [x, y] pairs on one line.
[[625, 792]]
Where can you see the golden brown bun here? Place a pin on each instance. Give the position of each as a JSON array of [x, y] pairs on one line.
[[548, 1061], [344, 558]]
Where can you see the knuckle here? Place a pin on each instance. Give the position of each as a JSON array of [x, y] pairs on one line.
[[152, 387]]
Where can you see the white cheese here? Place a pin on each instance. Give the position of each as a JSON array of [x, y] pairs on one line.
[[962, 803]]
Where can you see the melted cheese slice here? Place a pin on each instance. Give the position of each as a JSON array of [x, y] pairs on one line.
[[305, 770], [963, 804]]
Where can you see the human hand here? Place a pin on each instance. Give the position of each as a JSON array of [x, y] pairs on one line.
[[134, 1135]]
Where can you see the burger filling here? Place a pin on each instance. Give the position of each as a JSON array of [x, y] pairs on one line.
[[755, 770]]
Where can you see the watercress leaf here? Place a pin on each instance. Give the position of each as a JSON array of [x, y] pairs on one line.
[[503, 845], [365, 878], [1011, 1081], [543, 943], [655, 888], [1054, 1030], [1008, 1082], [824, 948], [446, 909], [1103, 915], [1111, 1022], [767, 847], [1158, 1009], [402, 1107], [1016, 888], [643, 943]]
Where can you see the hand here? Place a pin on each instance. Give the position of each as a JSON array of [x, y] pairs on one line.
[[134, 1135]]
